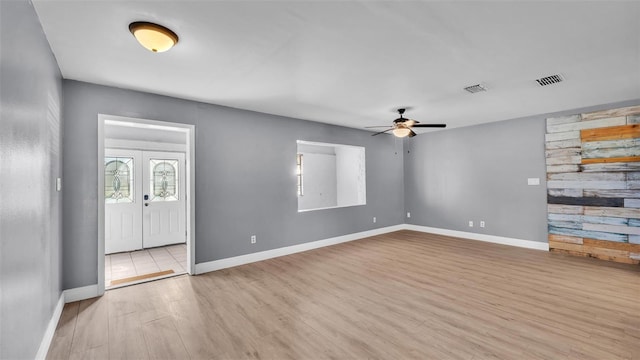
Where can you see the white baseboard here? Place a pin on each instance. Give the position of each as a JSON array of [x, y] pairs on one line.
[[51, 329], [91, 291], [529, 244], [288, 250], [81, 293]]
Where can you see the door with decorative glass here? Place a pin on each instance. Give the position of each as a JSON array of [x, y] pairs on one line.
[[163, 215], [144, 199], [122, 200]]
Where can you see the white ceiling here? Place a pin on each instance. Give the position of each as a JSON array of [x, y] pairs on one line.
[[352, 62]]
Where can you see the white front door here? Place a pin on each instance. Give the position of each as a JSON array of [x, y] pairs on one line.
[[163, 214], [144, 199], [123, 200]]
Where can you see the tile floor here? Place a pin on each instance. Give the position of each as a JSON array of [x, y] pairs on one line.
[[146, 261]]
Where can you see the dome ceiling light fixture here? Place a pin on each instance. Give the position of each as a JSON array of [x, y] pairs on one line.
[[153, 37]]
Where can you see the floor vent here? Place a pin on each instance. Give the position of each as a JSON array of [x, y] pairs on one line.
[[476, 88], [549, 80]]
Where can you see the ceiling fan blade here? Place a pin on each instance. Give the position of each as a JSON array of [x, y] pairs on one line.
[[412, 134], [430, 125], [382, 132]]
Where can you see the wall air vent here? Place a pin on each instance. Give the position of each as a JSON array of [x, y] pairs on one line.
[[549, 80], [476, 88]]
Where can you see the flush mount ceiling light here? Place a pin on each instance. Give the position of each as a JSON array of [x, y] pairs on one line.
[[153, 37]]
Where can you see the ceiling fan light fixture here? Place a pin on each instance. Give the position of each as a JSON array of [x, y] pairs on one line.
[[153, 37], [401, 132]]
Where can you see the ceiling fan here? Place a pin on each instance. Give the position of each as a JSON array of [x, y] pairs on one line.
[[403, 127]]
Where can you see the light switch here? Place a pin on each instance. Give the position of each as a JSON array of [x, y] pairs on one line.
[[533, 181]]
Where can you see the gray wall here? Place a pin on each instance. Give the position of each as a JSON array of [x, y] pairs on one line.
[[30, 242], [480, 173], [245, 177]]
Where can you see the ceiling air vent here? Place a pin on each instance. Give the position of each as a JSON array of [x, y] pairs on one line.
[[549, 80], [476, 88]]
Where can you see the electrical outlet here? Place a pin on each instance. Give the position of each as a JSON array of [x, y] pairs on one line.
[[374, 219], [408, 214], [470, 223], [481, 223], [253, 239]]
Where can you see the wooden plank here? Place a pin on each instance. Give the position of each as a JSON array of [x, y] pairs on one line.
[[634, 222], [592, 124], [562, 168], [562, 144], [610, 144], [559, 184], [598, 253], [611, 133], [140, 277], [633, 119], [563, 119], [634, 239], [564, 160], [565, 245], [622, 260], [568, 252], [565, 224], [633, 185], [622, 212], [618, 229], [562, 136], [609, 255], [593, 176], [611, 152], [632, 203], [612, 245], [631, 110], [624, 167], [573, 151], [605, 251], [585, 201], [565, 209], [600, 235], [624, 194], [566, 192], [626, 159], [565, 239], [633, 176], [594, 251], [588, 219]]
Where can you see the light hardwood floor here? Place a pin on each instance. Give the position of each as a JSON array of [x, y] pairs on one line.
[[403, 295]]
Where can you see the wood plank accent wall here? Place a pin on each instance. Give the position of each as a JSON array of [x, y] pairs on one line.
[[593, 184]]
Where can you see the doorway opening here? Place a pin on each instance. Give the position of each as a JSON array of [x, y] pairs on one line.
[[146, 200]]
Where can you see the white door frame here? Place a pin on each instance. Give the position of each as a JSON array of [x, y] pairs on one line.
[[189, 131]]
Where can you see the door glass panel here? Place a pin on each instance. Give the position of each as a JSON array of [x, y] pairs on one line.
[[118, 180], [164, 179]]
